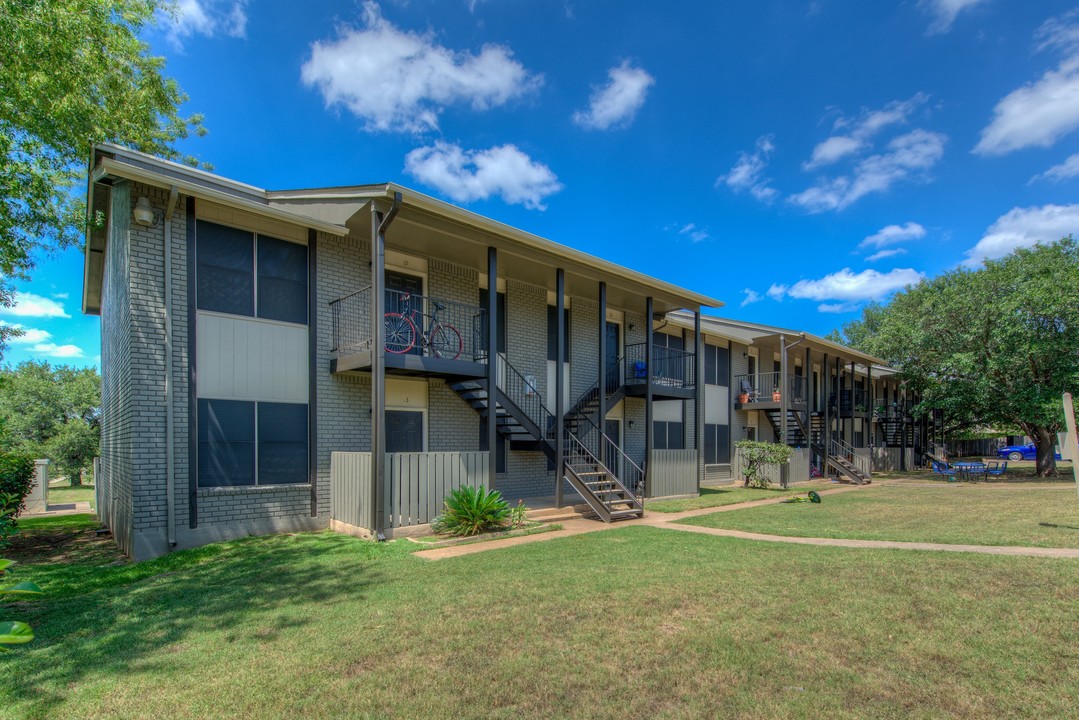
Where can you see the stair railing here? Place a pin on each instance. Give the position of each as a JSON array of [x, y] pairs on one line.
[[845, 451], [523, 392], [628, 473]]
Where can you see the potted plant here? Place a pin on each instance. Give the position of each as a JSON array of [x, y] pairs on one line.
[[743, 398], [776, 397]]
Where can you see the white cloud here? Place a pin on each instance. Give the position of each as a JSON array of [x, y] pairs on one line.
[[57, 351], [31, 305], [838, 307], [893, 234], [1024, 227], [616, 103], [776, 292], [1039, 113], [881, 254], [61, 296], [205, 17], [908, 156], [746, 175], [1067, 169], [847, 286], [751, 296], [858, 131], [694, 233], [29, 336], [467, 175], [401, 80], [944, 12]]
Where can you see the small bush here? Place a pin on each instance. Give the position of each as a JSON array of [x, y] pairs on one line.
[[16, 477], [471, 511], [755, 455]]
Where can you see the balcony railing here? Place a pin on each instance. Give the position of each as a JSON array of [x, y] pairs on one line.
[[415, 325], [856, 400], [670, 367], [768, 387]]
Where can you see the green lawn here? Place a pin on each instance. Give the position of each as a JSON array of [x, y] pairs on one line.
[[62, 494], [636, 622], [733, 494], [964, 514]]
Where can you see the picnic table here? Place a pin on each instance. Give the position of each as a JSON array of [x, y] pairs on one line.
[[972, 471]]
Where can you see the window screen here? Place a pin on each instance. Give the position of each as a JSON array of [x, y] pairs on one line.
[[667, 435], [717, 444], [552, 333], [716, 365], [282, 280], [226, 443], [282, 443], [500, 310], [224, 262]]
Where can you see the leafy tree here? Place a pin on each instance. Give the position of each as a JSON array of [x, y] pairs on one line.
[[997, 345], [755, 455], [72, 74], [52, 412]]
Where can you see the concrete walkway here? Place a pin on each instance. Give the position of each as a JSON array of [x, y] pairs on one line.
[[669, 521]]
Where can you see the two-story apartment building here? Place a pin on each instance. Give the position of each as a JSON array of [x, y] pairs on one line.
[[285, 360]]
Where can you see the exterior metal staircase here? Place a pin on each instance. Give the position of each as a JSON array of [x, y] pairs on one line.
[[842, 458], [587, 405], [796, 426], [523, 419]]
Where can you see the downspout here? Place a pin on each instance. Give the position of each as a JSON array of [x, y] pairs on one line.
[[170, 450]]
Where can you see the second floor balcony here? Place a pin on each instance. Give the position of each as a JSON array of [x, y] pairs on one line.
[[768, 389], [423, 335], [673, 371]]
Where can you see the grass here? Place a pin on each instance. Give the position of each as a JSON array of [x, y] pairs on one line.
[[636, 622], [731, 495], [61, 494], [961, 514], [530, 529]]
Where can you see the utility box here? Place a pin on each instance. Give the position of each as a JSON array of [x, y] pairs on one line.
[[38, 499]]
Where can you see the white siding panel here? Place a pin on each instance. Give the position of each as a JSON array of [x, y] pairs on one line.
[[667, 411], [249, 359], [716, 405]]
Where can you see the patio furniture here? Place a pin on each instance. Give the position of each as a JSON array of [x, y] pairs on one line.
[[997, 469], [747, 389], [972, 471], [944, 469]]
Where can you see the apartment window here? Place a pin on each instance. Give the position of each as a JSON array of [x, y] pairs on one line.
[[667, 435], [251, 443], [241, 273], [717, 362], [552, 333], [717, 447]]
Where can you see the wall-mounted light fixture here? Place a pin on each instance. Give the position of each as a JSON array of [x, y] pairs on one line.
[[632, 326], [631, 423], [146, 215]]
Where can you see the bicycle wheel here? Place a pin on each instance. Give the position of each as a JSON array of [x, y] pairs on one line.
[[400, 333], [445, 342]]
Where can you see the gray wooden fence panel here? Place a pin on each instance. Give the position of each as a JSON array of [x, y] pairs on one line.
[[350, 488], [420, 482], [887, 459], [798, 469], [672, 472]]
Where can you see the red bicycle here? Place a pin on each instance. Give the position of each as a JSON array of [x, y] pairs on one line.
[[404, 330]]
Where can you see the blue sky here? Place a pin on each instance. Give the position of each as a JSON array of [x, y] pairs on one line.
[[793, 159]]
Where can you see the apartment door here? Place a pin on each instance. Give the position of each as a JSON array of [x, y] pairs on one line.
[[614, 351], [400, 286], [404, 431]]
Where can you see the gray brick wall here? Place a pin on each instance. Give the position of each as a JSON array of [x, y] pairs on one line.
[[116, 404], [452, 426]]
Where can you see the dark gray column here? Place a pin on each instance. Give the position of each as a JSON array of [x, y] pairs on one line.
[[560, 384], [698, 401], [784, 406], [838, 400], [602, 449], [870, 407], [312, 372], [850, 436], [648, 439], [492, 365], [378, 370], [826, 382]]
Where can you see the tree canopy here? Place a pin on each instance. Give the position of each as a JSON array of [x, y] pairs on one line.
[[72, 74], [998, 345], [51, 412]]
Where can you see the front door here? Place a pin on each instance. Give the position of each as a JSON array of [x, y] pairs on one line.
[[613, 430], [614, 336], [400, 286], [404, 431]]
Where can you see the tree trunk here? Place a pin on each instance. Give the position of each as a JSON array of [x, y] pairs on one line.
[[1044, 440]]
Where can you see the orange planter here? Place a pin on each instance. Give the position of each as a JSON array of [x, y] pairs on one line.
[[776, 396]]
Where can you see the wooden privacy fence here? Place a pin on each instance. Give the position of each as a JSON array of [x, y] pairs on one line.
[[798, 468], [889, 459], [672, 472], [416, 485]]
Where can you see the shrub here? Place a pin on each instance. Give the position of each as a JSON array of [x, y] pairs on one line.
[[755, 455], [13, 632], [471, 511], [16, 477]]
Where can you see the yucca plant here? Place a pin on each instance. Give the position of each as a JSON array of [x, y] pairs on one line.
[[13, 632], [471, 511]]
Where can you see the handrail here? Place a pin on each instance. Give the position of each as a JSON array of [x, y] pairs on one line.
[[840, 448], [670, 366], [762, 387], [613, 383], [631, 476]]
